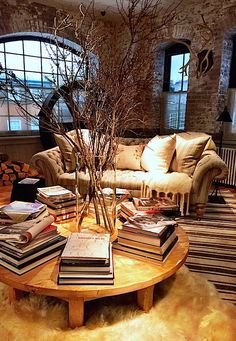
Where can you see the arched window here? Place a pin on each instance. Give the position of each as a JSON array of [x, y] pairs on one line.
[[175, 87], [40, 64]]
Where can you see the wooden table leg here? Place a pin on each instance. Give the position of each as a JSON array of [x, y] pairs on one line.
[[14, 294], [76, 312], [145, 298]]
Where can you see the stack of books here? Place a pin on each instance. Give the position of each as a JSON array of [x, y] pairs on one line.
[[60, 201], [86, 259], [149, 205], [26, 245], [149, 237]]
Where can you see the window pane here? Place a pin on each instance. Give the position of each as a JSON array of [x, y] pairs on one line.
[[2, 47], [14, 46], [14, 123], [33, 64], [49, 50], [49, 66], [174, 107], [32, 47], [14, 61], [175, 73], [19, 74], [2, 60], [33, 79], [49, 80]]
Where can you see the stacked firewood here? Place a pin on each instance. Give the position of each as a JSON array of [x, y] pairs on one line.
[[12, 170]]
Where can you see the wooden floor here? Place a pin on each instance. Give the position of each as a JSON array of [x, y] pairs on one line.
[[5, 194]]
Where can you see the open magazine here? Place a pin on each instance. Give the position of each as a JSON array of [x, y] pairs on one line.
[[25, 231]]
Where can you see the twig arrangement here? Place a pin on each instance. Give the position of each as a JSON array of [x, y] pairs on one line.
[[107, 85]]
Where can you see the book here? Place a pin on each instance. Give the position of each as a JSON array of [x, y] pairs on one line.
[[25, 231], [66, 216], [160, 204], [33, 264], [32, 247], [151, 239], [87, 246], [87, 268], [149, 221], [19, 211], [25, 259], [144, 255], [141, 245], [28, 181], [55, 204], [56, 193], [63, 210]]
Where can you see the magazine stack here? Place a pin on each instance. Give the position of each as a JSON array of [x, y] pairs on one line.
[[27, 244], [147, 236], [60, 201], [87, 259]]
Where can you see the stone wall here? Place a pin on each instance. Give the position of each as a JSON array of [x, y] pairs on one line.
[[206, 96]]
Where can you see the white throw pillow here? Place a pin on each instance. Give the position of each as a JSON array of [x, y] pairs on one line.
[[128, 157], [158, 153]]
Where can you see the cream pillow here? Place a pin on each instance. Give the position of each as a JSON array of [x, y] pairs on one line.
[[128, 157], [67, 150], [188, 153], [158, 153]]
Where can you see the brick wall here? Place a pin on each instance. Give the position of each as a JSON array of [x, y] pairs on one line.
[[206, 96]]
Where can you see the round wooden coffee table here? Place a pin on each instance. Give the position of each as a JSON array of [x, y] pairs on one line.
[[130, 275]]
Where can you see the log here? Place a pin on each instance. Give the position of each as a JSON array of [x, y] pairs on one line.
[[5, 177]]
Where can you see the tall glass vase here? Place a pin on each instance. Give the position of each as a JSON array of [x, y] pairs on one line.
[[97, 213]]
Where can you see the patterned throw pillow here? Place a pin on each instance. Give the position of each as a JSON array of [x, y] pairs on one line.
[[188, 152], [158, 153], [128, 157]]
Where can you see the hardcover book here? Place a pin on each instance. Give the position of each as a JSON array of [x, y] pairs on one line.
[[87, 246], [144, 255], [56, 193], [146, 237], [141, 245]]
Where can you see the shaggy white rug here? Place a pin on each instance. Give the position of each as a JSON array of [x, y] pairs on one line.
[[186, 307]]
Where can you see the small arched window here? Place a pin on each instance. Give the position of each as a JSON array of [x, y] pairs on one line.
[[175, 87], [40, 64]]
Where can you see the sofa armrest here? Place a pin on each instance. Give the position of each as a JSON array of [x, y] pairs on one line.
[[49, 164], [209, 167]]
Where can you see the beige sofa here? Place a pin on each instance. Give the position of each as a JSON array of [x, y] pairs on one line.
[[182, 164]]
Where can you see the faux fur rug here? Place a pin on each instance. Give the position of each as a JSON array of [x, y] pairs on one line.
[[186, 307]]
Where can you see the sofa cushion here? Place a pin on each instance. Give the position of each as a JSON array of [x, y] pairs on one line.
[[158, 153], [67, 149], [188, 152], [129, 157]]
